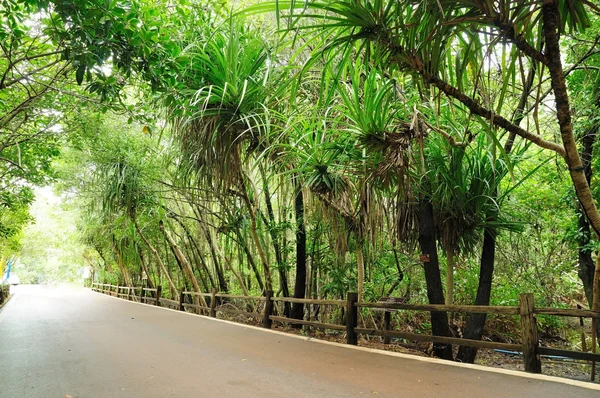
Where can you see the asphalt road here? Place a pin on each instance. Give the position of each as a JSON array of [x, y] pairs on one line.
[[76, 343]]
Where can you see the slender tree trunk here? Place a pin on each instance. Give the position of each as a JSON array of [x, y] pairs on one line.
[[476, 322], [237, 275], [435, 291], [194, 261], [283, 277], [144, 267], [360, 271], [213, 252], [250, 257], [196, 252], [255, 237], [186, 283], [174, 292], [586, 262], [121, 265], [449, 277], [186, 267], [300, 282]]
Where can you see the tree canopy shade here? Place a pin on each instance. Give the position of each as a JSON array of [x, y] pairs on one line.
[[313, 148]]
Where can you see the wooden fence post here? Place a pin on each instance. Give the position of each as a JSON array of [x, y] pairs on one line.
[[213, 303], [142, 294], [387, 323], [351, 318], [267, 322], [529, 336], [181, 297], [158, 294]]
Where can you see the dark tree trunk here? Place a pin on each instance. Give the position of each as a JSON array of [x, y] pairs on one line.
[[283, 277], [215, 257], [586, 262], [300, 285], [476, 322], [435, 291]]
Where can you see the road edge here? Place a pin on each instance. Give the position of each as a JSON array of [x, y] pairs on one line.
[[4, 305], [540, 377]]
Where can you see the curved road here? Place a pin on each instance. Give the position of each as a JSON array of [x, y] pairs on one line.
[[75, 343]]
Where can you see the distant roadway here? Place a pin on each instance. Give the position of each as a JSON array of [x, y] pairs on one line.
[[61, 342]]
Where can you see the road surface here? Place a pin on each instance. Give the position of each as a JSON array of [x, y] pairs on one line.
[[76, 343]]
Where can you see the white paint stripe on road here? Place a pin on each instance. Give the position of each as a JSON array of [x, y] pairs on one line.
[[509, 372]]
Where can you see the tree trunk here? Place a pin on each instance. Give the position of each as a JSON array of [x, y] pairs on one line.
[[283, 277], [550, 19], [237, 275], [300, 282], [360, 271], [449, 277], [213, 252], [476, 322], [586, 269], [250, 257], [186, 267], [174, 292], [254, 233], [144, 268], [586, 262], [435, 291], [121, 265], [196, 249]]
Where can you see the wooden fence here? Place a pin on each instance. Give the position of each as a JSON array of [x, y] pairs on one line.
[[4, 293], [529, 347]]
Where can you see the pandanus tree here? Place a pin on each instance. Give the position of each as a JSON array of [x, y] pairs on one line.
[[217, 113], [423, 39], [125, 175]]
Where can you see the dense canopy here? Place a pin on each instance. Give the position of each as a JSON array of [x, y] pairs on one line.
[[441, 151]]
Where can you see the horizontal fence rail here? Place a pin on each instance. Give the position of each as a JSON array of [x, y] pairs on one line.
[[471, 309], [218, 302]]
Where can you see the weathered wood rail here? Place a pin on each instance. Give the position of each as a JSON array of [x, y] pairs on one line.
[[526, 311]]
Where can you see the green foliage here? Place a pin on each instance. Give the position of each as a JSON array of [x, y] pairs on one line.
[[208, 125]]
